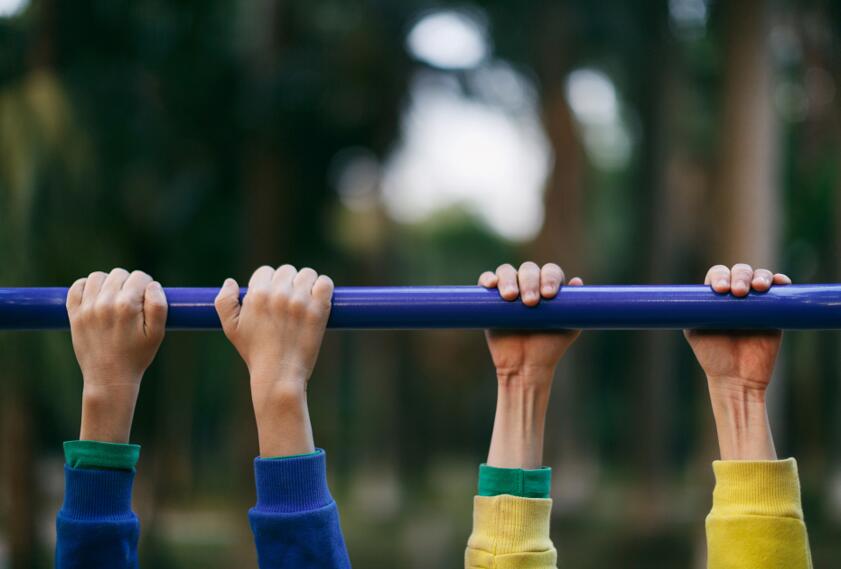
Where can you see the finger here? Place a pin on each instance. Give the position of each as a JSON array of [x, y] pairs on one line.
[[718, 277], [259, 286], [528, 279], [304, 280], [507, 281], [551, 279], [261, 278], [781, 279], [488, 279], [322, 290], [154, 310], [130, 298], [227, 304], [741, 276], [284, 279], [74, 295], [135, 285], [762, 280], [576, 281], [93, 284], [114, 282]]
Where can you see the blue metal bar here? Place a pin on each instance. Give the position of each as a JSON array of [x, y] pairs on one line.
[[588, 307]]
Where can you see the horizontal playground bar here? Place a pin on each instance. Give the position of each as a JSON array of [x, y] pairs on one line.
[[588, 307]]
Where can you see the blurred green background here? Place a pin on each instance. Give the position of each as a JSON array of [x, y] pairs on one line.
[[418, 142]]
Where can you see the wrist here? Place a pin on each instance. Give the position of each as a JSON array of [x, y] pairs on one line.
[[528, 378], [736, 389]]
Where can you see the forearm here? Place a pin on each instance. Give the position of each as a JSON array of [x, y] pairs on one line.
[[517, 439], [108, 412], [283, 421], [741, 419]]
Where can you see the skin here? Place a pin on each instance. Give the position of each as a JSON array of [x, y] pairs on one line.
[[525, 366], [117, 322], [277, 329], [738, 367]]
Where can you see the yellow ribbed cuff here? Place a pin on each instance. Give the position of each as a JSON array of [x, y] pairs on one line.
[[509, 525], [757, 488]]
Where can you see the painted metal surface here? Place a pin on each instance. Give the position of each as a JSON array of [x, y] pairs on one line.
[[631, 307]]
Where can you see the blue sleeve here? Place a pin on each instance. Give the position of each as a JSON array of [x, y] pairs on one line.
[[296, 522], [95, 526]]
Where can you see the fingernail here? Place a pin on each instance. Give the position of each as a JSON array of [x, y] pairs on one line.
[[720, 282], [547, 290], [530, 297]]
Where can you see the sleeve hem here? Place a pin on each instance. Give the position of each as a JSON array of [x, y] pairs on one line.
[[294, 484], [97, 495], [757, 488], [523, 483], [103, 455]]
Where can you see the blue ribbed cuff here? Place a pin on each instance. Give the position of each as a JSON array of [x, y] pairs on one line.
[[97, 494], [294, 484]]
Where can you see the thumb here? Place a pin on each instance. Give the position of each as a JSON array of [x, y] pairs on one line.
[[227, 304], [154, 310]]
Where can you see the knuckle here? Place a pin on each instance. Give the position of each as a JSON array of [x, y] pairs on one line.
[[315, 311], [123, 307], [279, 299], [258, 296], [97, 275], [297, 306], [102, 309]]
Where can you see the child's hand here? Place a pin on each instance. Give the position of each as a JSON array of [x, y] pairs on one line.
[[117, 322], [738, 363], [279, 326], [529, 357], [278, 330], [525, 366]]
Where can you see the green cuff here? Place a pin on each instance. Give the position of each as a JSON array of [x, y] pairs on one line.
[[535, 483], [313, 453], [95, 454]]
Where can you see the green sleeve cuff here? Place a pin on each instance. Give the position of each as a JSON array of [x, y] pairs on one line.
[[535, 483], [95, 454], [313, 453]]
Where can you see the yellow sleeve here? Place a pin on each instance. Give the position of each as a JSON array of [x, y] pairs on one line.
[[510, 532], [756, 521]]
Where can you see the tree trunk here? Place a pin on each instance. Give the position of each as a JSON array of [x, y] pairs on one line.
[[747, 201]]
